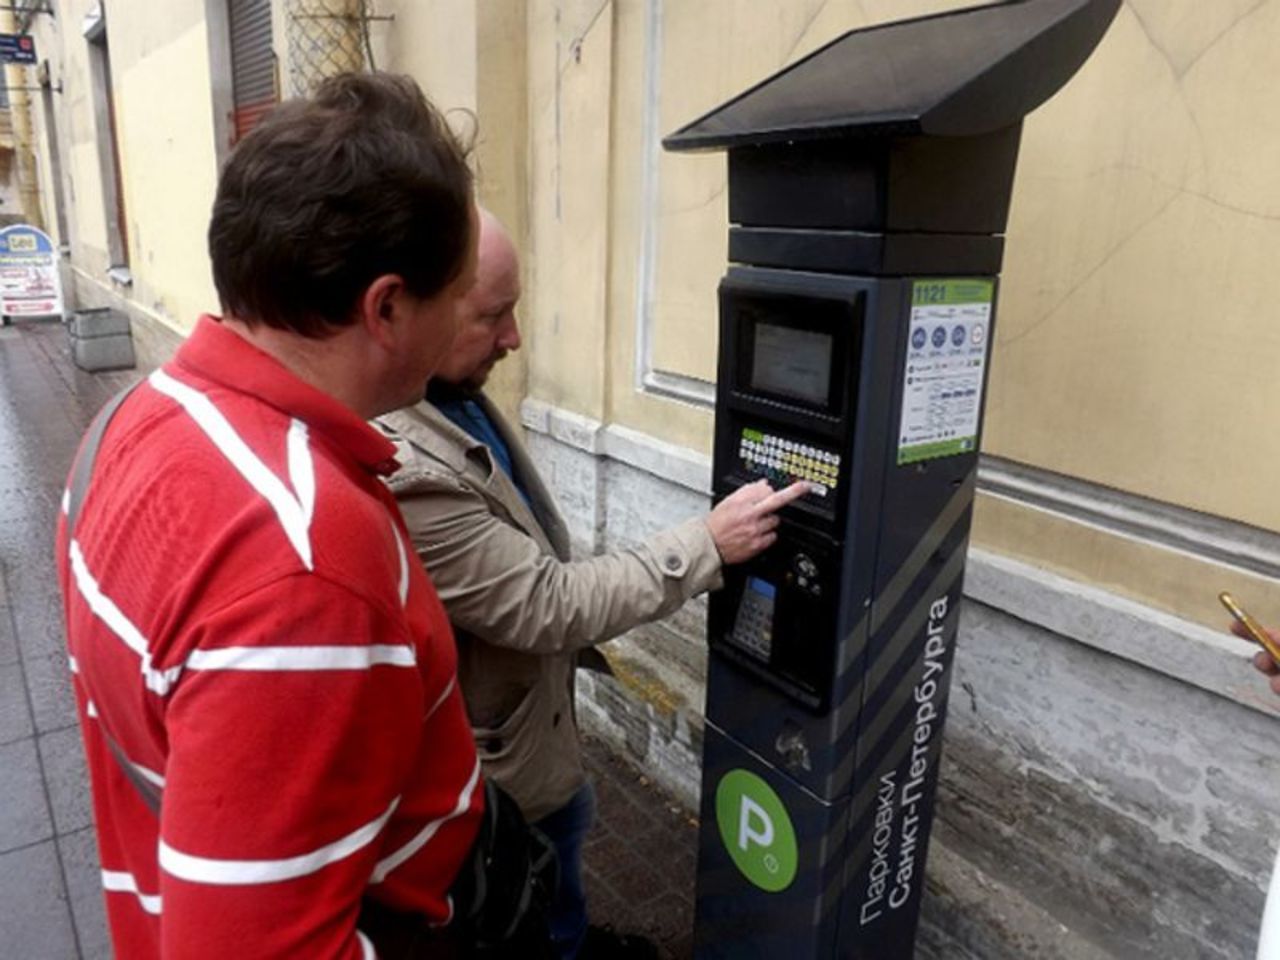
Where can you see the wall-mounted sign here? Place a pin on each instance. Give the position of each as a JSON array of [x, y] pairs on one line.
[[30, 284], [17, 48]]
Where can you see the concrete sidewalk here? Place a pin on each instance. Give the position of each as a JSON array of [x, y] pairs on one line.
[[641, 858], [49, 880]]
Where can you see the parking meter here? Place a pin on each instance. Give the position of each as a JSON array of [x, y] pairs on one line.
[[869, 188]]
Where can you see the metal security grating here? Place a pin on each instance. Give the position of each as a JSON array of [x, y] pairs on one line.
[[253, 68], [326, 38]]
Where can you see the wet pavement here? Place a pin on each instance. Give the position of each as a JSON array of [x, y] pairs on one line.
[[49, 879], [641, 858]]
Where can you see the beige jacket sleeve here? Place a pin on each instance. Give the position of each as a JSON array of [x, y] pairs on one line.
[[498, 583]]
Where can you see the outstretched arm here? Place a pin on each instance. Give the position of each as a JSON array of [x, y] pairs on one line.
[[497, 583], [745, 522]]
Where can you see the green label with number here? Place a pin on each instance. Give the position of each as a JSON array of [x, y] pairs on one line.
[[948, 336], [952, 291], [756, 830]]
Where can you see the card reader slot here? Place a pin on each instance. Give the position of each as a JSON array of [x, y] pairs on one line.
[[775, 615]]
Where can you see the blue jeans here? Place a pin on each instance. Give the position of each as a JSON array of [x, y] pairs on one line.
[[567, 828]]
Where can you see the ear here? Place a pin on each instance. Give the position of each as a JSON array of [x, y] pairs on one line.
[[379, 307]]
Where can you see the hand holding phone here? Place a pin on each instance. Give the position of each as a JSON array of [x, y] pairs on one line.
[[1252, 628]]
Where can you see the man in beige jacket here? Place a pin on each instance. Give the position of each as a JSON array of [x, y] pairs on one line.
[[495, 546]]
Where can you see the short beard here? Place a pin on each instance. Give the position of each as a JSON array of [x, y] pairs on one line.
[[478, 379]]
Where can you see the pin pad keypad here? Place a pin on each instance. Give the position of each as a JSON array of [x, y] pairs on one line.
[[753, 627]]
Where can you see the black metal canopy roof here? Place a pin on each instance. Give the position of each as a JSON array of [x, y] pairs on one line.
[[961, 73]]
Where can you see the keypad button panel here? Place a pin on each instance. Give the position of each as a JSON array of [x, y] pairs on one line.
[[782, 461], [753, 626]]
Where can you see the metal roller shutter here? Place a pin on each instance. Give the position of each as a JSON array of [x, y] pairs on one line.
[[253, 71]]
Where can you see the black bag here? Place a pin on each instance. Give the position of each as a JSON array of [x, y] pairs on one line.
[[500, 897], [503, 892]]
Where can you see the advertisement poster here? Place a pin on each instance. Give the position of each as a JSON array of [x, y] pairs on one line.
[[30, 284]]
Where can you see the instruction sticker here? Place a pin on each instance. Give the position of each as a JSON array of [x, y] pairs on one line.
[[944, 372]]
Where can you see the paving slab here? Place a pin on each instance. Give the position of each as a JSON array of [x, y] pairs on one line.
[[640, 859], [66, 778], [36, 920], [49, 682], [15, 713], [24, 810], [79, 854], [8, 638], [45, 404]]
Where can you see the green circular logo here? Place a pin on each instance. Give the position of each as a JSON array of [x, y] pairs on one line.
[[756, 830]]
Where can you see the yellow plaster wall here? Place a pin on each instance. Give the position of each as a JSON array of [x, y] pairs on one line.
[[164, 125], [168, 167], [1135, 322], [570, 71], [85, 212], [1142, 236], [1135, 318], [90, 230], [501, 157], [709, 52], [434, 41], [471, 60], [703, 54], [1137, 310], [1135, 328], [1180, 582]]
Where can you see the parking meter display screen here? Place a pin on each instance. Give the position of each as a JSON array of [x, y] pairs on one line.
[[793, 363]]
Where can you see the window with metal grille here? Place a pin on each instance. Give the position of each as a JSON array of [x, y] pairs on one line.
[[253, 66], [102, 92]]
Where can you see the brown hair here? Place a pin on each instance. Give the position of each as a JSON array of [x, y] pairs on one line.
[[329, 193]]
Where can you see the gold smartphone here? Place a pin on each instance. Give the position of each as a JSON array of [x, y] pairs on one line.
[[1251, 626]]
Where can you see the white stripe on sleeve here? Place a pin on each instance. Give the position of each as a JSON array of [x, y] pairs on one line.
[[148, 774], [104, 608], [366, 948], [186, 866], [117, 881], [293, 511], [302, 471], [420, 840], [448, 689], [404, 564], [303, 658]]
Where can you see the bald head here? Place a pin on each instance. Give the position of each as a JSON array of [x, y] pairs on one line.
[[487, 329], [496, 251]]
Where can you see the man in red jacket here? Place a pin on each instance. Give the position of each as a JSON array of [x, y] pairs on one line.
[[265, 678]]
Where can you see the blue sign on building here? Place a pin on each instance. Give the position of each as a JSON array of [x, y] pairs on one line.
[[17, 48]]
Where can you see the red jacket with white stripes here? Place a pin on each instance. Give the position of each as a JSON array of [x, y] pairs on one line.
[[246, 623]]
